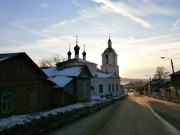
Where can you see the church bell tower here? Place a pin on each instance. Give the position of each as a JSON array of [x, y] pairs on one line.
[[109, 60]]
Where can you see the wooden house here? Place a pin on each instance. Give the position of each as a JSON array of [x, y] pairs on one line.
[[175, 89], [72, 84], [23, 86]]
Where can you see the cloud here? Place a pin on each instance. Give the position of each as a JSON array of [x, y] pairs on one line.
[[121, 9], [74, 2], [131, 37], [44, 5], [145, 7], [46, 44], [31, 30], [60, 24], [177, 23]]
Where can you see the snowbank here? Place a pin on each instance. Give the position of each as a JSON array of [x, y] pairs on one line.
[[21, 119]]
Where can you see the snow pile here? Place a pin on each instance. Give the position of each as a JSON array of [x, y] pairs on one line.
[[97, 97], [21, 119]]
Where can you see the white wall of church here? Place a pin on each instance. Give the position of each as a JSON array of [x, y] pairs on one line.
[[110, 69], [109, 87]]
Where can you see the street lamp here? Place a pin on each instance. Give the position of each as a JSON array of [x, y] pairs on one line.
[[173, 75], [149, 83]]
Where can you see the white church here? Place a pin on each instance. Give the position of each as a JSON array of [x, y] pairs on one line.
[[106, 81]]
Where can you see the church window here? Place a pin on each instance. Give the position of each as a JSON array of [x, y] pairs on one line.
[[113, 87], [106, 59], [81, 89], [87, 88], [116, 87], [106, 70], [100, 88], [109, 87], [114, 60]]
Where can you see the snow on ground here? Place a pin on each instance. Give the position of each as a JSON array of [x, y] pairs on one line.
[[21, 119], [97, 97]]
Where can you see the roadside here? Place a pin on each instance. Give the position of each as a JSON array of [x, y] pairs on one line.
[[49, 121], [130, 117], [169, 111]]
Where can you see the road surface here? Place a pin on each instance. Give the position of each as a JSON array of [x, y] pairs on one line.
[[136, 115]]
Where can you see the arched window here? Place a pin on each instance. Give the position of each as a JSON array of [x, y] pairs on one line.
[[114, 60], [106, 59]]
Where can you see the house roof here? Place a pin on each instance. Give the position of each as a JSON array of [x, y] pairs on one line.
[[62, 77], [70, 71], [176, 73], [76, 61], [60, 81], [104, 75], [8, 56], [109, 50], [162, 81]]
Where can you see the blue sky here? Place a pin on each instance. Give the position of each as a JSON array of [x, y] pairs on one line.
[[141, 31]]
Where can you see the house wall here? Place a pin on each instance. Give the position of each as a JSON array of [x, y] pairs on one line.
[[84, 89], [20, 101], [57, 98], [70, 91], [175, 86], [18, 69], [173, 92]]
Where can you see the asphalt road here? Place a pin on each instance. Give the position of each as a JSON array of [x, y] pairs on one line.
[[136, 115]]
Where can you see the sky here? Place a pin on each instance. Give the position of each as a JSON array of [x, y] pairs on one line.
[[141, 31]]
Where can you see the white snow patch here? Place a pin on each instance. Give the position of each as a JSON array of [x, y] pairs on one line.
[[22, 119], [71, 71], [60, 81]]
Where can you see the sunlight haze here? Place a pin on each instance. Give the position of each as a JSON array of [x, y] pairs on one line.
[[141, 31]]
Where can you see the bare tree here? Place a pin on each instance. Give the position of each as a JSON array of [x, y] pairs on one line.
[[56, 59], [160, 73], [49, 62]]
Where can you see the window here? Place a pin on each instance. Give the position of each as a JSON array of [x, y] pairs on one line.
[[114, 60], [100, 88], [107, 59], [113, 87], [80, 89], [32, 96], [7, 102], [18, 68], [87, 88], [109, 87], [116, 87]]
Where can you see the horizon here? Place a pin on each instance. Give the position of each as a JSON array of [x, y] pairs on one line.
[[141, 31]]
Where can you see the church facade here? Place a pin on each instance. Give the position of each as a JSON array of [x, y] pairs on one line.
[[105, 81]]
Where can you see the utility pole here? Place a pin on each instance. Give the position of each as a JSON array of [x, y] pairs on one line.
[[175, 86]]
